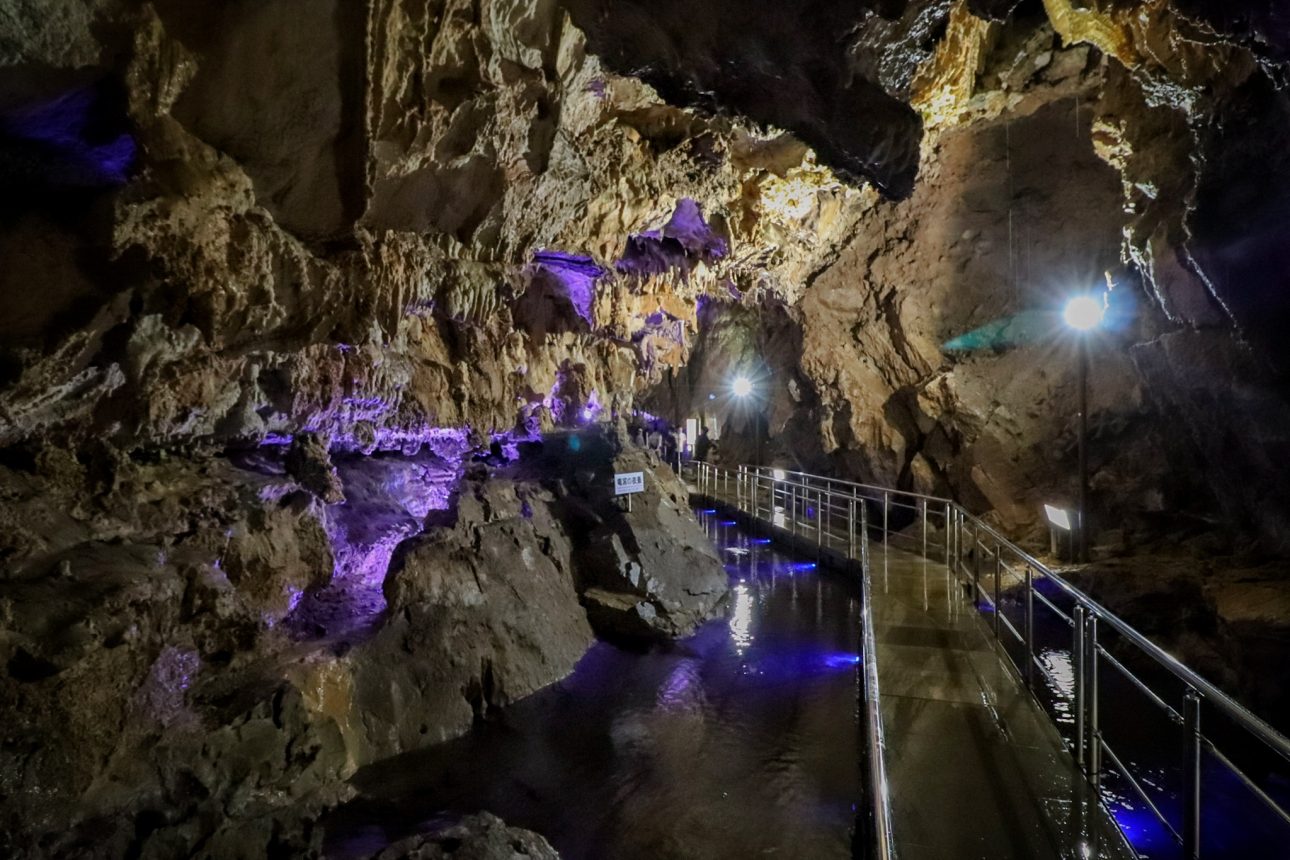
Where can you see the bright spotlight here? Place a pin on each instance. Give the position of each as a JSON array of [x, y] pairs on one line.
[[1083, 313], [742, 387]]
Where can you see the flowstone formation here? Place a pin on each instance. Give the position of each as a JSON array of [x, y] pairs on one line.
[[303, 303]]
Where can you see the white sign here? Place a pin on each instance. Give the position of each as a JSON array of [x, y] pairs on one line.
[[1058, 517], [627, 483]]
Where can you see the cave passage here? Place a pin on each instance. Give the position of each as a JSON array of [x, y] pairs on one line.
[[740, 741]]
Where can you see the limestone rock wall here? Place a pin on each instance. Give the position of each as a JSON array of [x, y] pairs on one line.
[[277, 276], [1067, 149]]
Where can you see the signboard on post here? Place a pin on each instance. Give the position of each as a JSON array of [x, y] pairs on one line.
[[628, 483]]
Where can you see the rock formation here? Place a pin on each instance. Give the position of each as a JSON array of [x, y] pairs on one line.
[[477, 837], [287, 285]]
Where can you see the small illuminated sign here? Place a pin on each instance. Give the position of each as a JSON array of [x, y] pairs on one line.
[[628, 483], [1058, 517]]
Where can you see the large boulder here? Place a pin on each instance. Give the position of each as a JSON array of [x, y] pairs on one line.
[[476, 837], [481, 613], [644, 567]]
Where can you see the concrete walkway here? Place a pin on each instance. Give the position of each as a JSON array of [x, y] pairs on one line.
[[977, 770]]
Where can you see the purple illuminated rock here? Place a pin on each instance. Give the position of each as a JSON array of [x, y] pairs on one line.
[[481, 613], [75, 138], [684, 242], [576, 274], [309, 463]]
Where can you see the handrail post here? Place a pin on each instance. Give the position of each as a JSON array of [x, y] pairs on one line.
[[886, 507], [819, 536], [1030, 628], [851, 527], [998, 590], [976, 566], [1094, 715], [948, 563], [958, 545], [924, 501], [828, 515], [1077, 652], [1192, 776]]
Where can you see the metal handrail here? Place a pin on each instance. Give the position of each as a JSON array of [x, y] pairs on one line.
[[1087, 651], [710, 480], [879, 787]]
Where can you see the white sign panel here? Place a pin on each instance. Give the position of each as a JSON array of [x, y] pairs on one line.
[[627, 483], [1058, 517]]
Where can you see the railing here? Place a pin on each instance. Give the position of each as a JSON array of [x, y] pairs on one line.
[[998, 576], [794, 519]]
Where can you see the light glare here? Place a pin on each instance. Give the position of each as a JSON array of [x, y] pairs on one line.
[[1083, 313], [742, 387]]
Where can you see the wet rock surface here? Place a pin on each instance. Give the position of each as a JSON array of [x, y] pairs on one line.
[[207, 648], [645, 568], [275, 274], [477, 837]]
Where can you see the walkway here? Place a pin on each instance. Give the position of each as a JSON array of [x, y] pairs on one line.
[[976, 769]]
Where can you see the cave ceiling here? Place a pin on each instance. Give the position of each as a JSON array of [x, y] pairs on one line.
[[283, 282], [375, 220]]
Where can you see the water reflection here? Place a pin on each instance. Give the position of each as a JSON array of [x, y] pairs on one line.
[[740, 741], [741, 618]]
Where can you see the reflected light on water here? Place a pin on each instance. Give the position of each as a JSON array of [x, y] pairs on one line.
[[741, 618], [683, 689], [1059, 676]]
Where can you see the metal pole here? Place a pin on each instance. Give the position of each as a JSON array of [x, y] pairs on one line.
[[998, 591], [886, 506], [1191, 773], [792, 509], [956, 566], [924, 528], [828, 513], [976, 566], [819, 535], [1030, 628], [851, 527], [1077, 652], [1083, 448], [949, 565], [1094, 719]]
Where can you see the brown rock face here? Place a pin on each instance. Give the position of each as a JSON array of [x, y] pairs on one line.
[[277, 275], [477, 837]]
